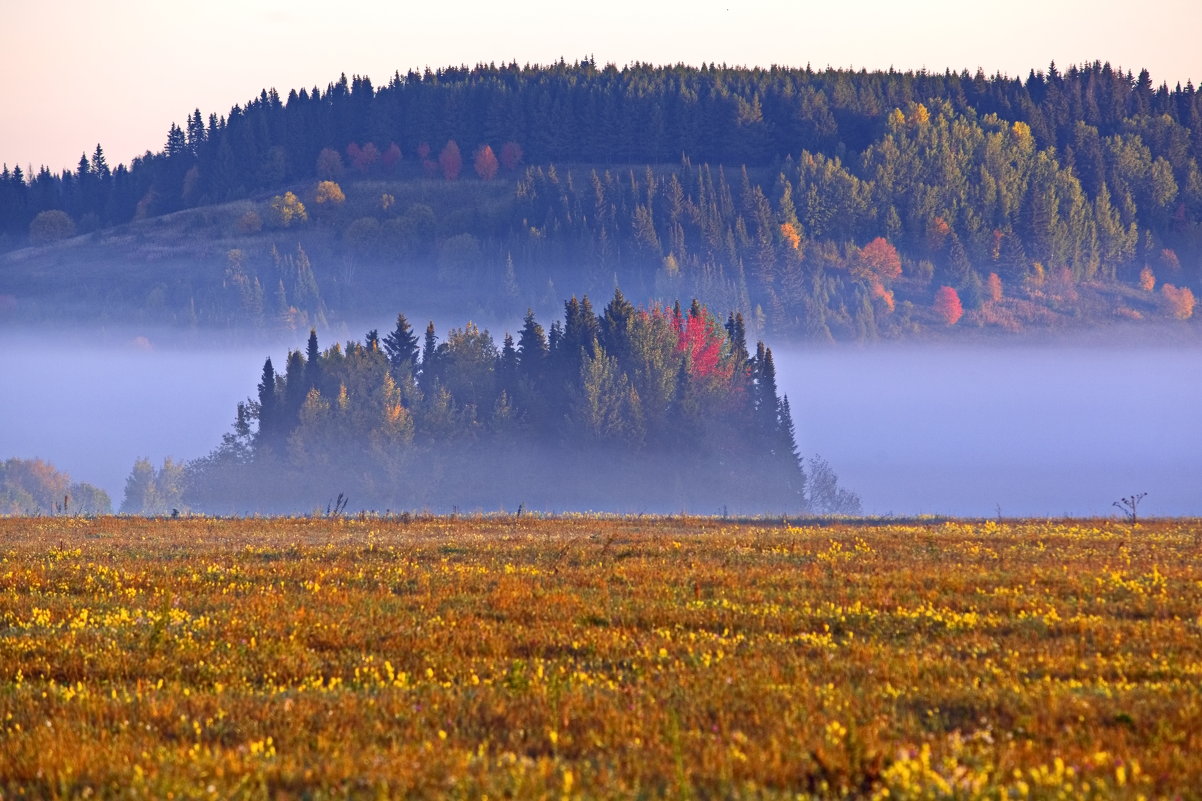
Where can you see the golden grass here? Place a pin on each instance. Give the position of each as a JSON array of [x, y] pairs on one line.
[[598, 658]]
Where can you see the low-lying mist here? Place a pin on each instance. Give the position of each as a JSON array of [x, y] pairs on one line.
[[1032, 430], [92, 409]]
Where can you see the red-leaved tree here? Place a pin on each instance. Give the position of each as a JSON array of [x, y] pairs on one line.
[[701, 340], [366, 159], [948, 306], [450, 161], [880, 259], [429, 165], [391, 157], [486, 163]]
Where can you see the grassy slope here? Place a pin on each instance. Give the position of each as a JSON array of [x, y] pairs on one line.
[[598, 658]]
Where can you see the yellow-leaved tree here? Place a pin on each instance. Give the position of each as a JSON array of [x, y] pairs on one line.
[[329, 192], [287, 209]]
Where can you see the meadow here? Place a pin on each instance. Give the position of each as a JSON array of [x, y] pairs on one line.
[[587, 657]]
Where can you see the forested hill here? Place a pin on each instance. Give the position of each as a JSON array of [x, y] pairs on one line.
[[819, 203]]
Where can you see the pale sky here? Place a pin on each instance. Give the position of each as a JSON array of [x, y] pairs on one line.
[[119, 72]]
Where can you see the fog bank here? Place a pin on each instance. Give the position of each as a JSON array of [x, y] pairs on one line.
[[1036, 430], [92, 410]]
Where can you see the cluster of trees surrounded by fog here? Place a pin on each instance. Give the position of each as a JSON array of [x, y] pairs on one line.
[[819, 204], [638, 410]]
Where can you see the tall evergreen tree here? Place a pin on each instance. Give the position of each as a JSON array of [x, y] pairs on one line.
[[269, 412], [532, 347], [312, 361], [400, 346]]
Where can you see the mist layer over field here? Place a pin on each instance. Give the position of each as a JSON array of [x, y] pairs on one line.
[[1035, 429]]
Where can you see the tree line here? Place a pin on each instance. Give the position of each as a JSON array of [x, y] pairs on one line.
[[818, 203]]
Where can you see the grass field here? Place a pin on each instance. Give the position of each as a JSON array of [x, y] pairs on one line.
[[599, 658]]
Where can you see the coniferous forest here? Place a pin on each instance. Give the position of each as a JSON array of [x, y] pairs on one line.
[[818, 204], [642, 410]]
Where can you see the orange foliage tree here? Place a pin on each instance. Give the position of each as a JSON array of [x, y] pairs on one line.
[[1147, 279], [883, 295], [450, 161], [880, 259], [994, 286], [791, 235], [948, 306], [1178, 302], [486, 163]]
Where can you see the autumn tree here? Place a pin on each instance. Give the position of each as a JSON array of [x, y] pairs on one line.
[[1178, 302], [994, 287], [34, 487], [363, 159], [1147, 279], [880, 259], [450, 161], [486, 163], [948, 306], [329, 193], [791, 235], [287, 209]]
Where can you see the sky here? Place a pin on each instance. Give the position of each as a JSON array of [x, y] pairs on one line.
[[79, 72]]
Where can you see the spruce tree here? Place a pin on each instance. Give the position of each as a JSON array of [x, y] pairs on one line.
[[429, 360], [615, 327], [312, 362], [532, 349], [736, 331], [268, 406], [400, 346], [507, 368], [295, 390]]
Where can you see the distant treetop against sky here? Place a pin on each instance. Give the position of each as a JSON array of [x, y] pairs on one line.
[[76, 74]]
